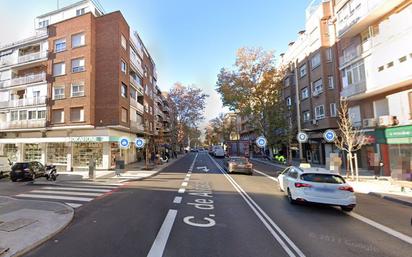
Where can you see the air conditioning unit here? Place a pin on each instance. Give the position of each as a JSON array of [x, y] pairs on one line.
[[369, 123], [387, 120], [314, 122]]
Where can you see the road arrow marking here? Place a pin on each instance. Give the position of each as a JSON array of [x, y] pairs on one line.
[[204, 168]]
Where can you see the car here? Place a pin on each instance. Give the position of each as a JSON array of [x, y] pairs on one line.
[[5, 166], [27, 170], [316, 185], [219, 152], [239, 164]]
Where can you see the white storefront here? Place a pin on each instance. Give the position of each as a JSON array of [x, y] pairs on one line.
[[73, 151]]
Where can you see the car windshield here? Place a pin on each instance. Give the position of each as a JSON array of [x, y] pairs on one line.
[[323, 178], [238, 160]]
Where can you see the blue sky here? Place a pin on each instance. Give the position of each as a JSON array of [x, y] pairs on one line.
[[190, 40]]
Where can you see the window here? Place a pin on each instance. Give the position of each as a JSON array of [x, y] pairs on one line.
[[60, 45], [78, 65], [58, 92], [305, 93], [390, 64], [355, 74], [319, 112], [43, 24], [330, 82], [329, 55], [59, 69], [77, 114], [381, 68], [124, 115], [80, 11], [315, 61], [14, 115], [333, 110], [77, 89], [58, 116], [78, 40], [317, 87], [287, 82], [32, 115], [302, 70], [36, 94], [289, 101], [41, 115], [306, 116], [123, 42], [23, 115], [123, 66], [124, 90], [133, 93]]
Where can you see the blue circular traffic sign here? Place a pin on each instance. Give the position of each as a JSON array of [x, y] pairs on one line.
[[302, 137], [124, 142], [139, 142], [261, 142], [329, 135]]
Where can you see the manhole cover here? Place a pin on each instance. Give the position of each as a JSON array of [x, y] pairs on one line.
[[16, 224]]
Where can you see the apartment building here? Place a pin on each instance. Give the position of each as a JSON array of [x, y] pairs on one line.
[[375, 63], [72, 91], [311, 83]]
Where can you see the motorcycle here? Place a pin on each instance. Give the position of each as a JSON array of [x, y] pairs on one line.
[[51, 173]]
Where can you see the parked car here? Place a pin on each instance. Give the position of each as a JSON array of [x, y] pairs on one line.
[[5, 166], [238, 164], [27, 170], [316, 185]]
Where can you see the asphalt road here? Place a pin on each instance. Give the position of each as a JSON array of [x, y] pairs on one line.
[[193, 208]]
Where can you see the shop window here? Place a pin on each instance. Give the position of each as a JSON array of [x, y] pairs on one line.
[[10, 150], [83, 152], [58, 116], [57, 153], [32, 152], [77, 114]]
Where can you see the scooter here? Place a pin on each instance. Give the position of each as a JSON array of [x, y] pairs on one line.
[[51, 173]]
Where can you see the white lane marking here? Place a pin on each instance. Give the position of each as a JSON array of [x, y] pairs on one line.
[[87, 186], [178, 199], [266, 175], [186, 179], [189, 172], [184, 184], [259, 213], [188, 175], [381, 227], [370, 222], [94, 183], [56, 197], [193, 163], [74, 205], [159, 244], [55, 192], [181, 190], [78, 189]]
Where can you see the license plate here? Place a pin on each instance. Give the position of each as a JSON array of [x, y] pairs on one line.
[[324, 189]]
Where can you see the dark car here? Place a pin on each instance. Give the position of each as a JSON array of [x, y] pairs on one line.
[[27, 170], [238, 164]]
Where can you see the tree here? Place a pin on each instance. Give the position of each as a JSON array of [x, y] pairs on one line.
[[222, 127], [350, 138], [189, 105], [254, 88]]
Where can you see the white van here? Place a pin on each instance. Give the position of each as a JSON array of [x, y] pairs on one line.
[[5, 166], [218, 151]]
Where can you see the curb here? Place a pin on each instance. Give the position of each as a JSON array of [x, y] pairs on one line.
[[46, 238], [392, 199], [269, 163]]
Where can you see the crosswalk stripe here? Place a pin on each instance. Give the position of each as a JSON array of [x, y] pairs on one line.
[[91, 186], [65, 192], [96, 183], [78, 189], [74, 205], [56, 197]]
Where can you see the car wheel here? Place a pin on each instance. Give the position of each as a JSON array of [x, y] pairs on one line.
[[13, 179], [290, 199], [346, 208]]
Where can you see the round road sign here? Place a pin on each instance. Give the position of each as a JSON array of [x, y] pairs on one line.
[[329, 135], [261, 141], [302, 137], [124, 142], [139, 142]]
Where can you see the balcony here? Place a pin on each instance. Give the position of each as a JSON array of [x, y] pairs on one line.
[[24, 102], [350, 54], [136, 83], [34, 78], [32, 57], [135, 126], [136, 105], [23, 124], [354, 89]]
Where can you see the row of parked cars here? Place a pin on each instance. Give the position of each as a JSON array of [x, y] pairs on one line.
[[26, 170]]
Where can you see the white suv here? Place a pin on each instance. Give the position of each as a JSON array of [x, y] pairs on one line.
[[317, 185]]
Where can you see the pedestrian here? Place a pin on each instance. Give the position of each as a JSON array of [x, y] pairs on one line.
[[117, 160], [92, 166]]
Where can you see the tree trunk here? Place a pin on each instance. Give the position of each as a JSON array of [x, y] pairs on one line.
[[270, 153], [355, 158], [351, 164]]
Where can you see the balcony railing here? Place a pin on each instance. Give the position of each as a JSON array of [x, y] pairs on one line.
[[354, 89], [350, 54], [32, 57], [135, 125], [136, 83], [40, 77], [137, 105], [23, 124], [24, 102]]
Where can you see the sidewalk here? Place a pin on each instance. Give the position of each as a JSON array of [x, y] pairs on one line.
[[135, 171], [26, 224], [383, 187]]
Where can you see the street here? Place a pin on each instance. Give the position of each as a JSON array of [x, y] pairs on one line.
[[193, 208]]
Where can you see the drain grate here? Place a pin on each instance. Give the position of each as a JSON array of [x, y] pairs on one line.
[[16, 224]]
